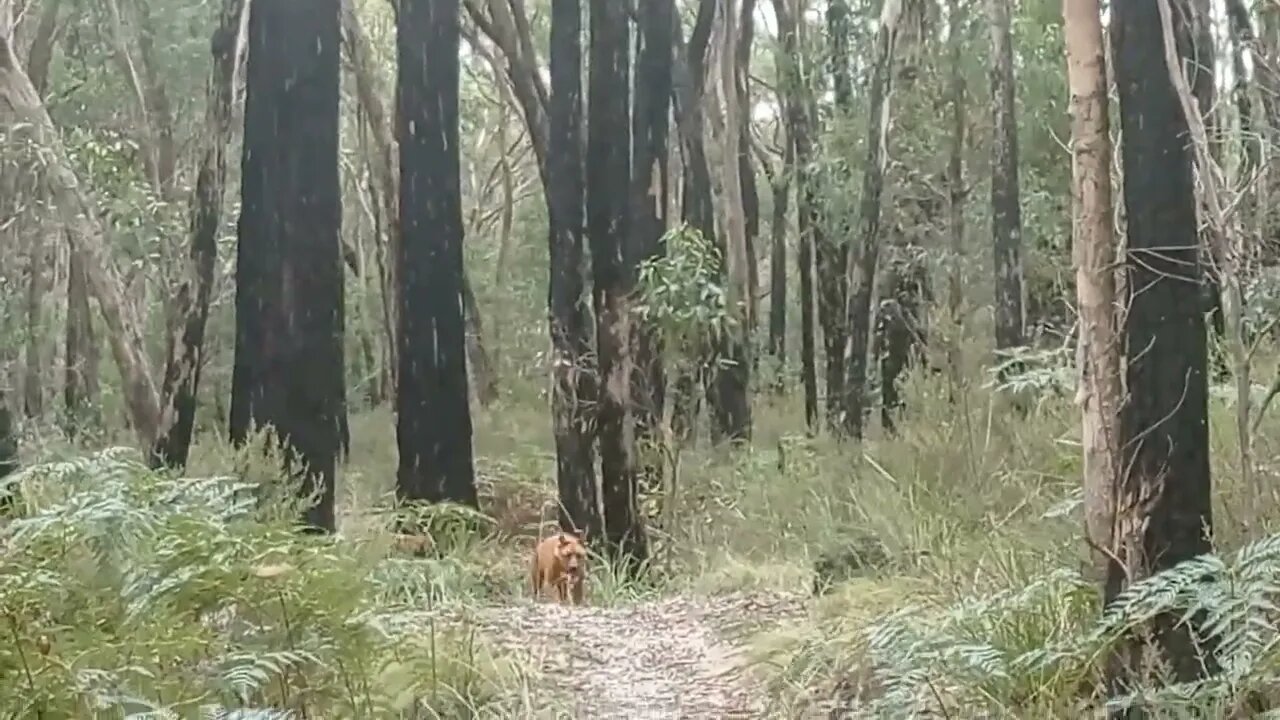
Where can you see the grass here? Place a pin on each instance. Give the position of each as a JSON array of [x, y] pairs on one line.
[[970, 500]]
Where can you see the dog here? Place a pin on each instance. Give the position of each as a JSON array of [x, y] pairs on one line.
[[560, 565]]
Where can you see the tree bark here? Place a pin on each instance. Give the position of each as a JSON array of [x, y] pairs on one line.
[[1006, 210], [33, 364], [573, 383], [863, 263], [750, 193], [650, 126], [40, 54], [433, 414], [1163, 511], [608, 175], [733, 377], [780, 186], [80, 392], [1100, 391], [956, 192], [289, 364], [697, 210], [800, 125], [24, 117], [832, 253], [478, 359], [186, 348]]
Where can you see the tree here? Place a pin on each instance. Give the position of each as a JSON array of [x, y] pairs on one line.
[[831, 247], [733, 371], [800, 130], [697, 209], [608, 168], [25, 122], [185, 355], [863, 262], [1163, 511], [654, 57], [433, 417], [1006, 210], [1094, 246], [573, 386], [289, 363]]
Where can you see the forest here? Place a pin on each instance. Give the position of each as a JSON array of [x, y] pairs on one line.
[[890, 358]]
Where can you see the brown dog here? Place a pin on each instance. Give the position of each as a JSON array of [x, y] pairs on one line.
[[559, 563]]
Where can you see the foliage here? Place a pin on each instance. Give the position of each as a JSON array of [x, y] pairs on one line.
[[1037, 645], [680, 293], [130, 593]]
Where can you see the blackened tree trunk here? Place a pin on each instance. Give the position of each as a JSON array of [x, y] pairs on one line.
[[185, 355], [80, 394], [433, 416], [1006, 210], [800, 128], [573, 388], [862, 266], [1163, 508], [654, 56], [608, 177], [289, 366]]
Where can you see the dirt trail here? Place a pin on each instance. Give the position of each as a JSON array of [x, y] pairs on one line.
[[673, 659]]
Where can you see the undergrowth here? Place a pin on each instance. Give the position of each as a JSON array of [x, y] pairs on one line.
[[130, 593]]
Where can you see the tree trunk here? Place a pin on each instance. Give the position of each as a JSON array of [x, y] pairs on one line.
[[832, 253], [781, 188], [608, 175], [33, 365], [80, 381], [40, 54], [800, 129], [186, 351], [653, 86], [159, 108], [1006, 211], [956, 192], [1100, 390], [697, 210], [1163, 506], [23, 114], [862, 266], [289, 366], [486, 380], [750, 194], [433, 415], [573, 389], [733, 377]]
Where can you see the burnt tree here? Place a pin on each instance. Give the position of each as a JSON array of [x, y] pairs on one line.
[[1006, 209], [185, 353], [650, 129], [289, 366], [573, 388], [433, 417], [832, 253], [608, 169], [1163, 513]]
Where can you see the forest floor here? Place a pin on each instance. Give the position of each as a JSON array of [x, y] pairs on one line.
[[672, 659]]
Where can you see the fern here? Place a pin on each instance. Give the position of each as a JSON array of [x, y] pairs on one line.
[[1036, 646], [131, 593]]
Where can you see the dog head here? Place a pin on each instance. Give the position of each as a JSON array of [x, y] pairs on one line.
[[572, 553]]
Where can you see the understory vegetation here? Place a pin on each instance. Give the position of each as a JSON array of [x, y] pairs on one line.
[[131, 593]]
